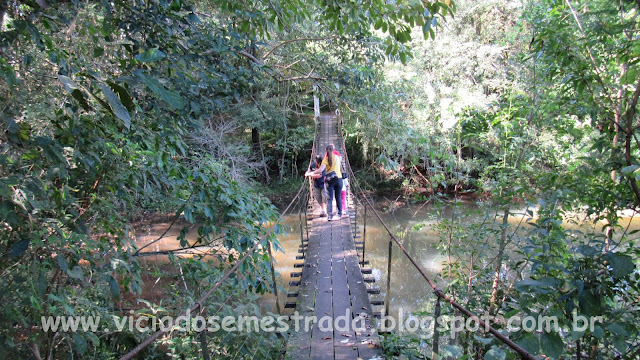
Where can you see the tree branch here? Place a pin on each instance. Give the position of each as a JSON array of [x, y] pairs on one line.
[[296, 40], [287, 66], [308, 77], [249, 56], [593, 59], [631, 112]]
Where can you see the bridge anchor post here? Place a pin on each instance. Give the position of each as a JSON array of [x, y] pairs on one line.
[[387, 296]]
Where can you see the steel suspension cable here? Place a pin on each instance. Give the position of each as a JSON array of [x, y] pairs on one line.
[[227, 274], [517, 348]]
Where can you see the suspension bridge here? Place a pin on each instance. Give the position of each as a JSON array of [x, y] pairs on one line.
[[333, 306], [332, 283]]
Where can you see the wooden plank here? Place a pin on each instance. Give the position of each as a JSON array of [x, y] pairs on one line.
[[322, 334], [331, 284], [299, 342], [359, 300], [344, 340]]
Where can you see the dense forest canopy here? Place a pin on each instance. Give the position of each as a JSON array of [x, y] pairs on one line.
[[112, 110]]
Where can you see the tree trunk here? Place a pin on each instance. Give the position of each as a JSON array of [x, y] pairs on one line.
[[493, 307], [257, 149], [284, 122], [630, 115]]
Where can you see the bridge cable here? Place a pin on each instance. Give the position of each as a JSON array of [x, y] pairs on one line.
[[198, 304], [517, 348]]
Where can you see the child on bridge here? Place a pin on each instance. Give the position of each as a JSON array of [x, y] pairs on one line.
[[319, 192]]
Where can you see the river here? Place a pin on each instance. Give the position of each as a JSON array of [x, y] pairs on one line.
[[415, 225]]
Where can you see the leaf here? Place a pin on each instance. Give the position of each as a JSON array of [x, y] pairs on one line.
[[80, 343], [576, 335], [630, 77], [150, 55], [586, 250], [622, 265], [123, 94], [495, 354], [454, 351], [118, 109], [114, 287], [552, 344], [169, 96], [8, 73], [12, 126], [530, 342], [403, 58], [75, 273], [94, 339], [484, 341], [620, 344], [193, 18], [617, 329], [79, 96], [598, 332], [98, 51], [542, 285], [62, 263], [19, 248], [425, 28], [627, 170], [69, 84]]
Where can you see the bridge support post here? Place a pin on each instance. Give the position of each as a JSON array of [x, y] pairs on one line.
[[301, 230], [306, 219], [354, 226], [387, 296], [316, 102], [203, 337], [273, 278], [436, 336], [364, 231]]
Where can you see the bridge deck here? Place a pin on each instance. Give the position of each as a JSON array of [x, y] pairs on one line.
[[332, 287]]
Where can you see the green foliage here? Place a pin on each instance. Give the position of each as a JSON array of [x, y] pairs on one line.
[[113, 109], [395, 346], [115, 141], [535, 108]]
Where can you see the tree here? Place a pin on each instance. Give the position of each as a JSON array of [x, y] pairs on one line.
[[114, 108]]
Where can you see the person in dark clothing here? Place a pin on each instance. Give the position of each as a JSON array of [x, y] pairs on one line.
[[319, 192], [333, 177]]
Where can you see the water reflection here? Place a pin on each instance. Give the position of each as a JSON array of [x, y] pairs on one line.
[[284, 261], [416, 227], [161, 236]]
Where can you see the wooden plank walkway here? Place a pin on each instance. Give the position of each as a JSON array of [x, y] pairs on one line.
[[332, 288]]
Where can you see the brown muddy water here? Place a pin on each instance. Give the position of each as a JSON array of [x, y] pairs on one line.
[[416, 226]]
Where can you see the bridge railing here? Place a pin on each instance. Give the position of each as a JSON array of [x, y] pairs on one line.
[[365, 203], [300, 200]]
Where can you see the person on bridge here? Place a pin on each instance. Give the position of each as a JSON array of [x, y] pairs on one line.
[[319, 192], [343, 196], [333, 179]]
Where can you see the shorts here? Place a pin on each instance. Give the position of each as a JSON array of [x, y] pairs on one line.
[[320, 195]]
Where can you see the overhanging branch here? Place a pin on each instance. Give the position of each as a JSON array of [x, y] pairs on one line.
[[296, 40]]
